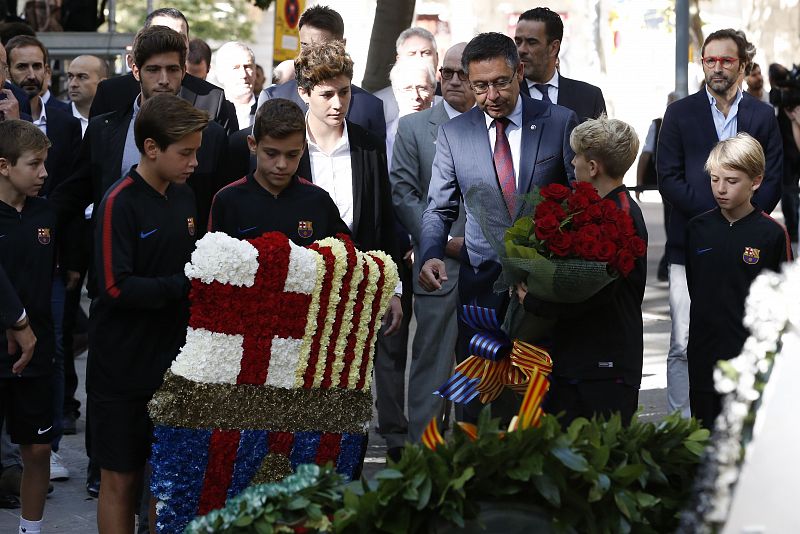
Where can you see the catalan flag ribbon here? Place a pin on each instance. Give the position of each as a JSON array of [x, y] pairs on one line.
[[431, 437], [488, 370]]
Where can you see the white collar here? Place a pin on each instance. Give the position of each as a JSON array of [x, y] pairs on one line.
[[515, 117], [340, 145], [713, 101], [552, 81]]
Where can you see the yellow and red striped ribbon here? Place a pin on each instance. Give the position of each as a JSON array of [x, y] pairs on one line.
[[431, 438], [530, 411], [516, 371]]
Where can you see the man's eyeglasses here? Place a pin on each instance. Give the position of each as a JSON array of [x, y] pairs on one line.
[[727, 62], [480, 88], [447, 74]]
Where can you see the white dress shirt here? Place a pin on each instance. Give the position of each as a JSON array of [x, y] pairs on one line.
[[513, 132], [41, 121], [243, 115], [552, 90], [77, 115], [333, 172]]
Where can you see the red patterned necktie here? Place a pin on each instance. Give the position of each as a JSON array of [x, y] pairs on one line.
[[504, 164]]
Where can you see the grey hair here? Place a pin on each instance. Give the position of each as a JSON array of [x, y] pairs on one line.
[[414, 31], [234, 45]]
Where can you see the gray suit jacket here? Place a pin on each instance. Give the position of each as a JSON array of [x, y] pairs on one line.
[[412, 162], [464, 159]]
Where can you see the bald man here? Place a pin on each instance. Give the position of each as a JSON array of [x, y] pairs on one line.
[[83, 75]]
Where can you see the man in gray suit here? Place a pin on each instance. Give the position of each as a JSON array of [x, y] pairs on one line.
[[433, 348], [491, 155]]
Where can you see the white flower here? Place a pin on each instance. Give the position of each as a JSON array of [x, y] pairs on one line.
[[302, 274], [283, 362], [209, 357], [221, 258]]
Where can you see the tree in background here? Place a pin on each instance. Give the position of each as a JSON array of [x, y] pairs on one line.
[[209, 19], [391, 18]]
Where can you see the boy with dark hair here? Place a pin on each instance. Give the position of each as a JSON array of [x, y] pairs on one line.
[[27, 258], [145, 233], [274, 198], [726, 247], [597, 344]]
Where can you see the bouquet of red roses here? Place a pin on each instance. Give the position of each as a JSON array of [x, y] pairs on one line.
[[583, 240]]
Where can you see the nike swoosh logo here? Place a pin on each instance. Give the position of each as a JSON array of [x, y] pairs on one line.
[[247, 229], [703, 250], [40, 431], [145, 235]]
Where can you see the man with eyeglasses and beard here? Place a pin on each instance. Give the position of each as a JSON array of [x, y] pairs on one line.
[[479, 155], [691, 128]]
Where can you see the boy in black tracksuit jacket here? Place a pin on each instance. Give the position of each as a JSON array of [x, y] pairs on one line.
[[597, 346], [145, 233], [27, 336], [274, 198], [726, 248]]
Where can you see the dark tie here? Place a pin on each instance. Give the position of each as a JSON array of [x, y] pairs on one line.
[[543, 88], [504, 164]]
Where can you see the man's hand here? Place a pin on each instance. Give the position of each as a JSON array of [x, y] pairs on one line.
[[9, 106], [72, 280], [408, 258], [21, 339], [432, 274], [453, 248], [522, 290], [393, 316]]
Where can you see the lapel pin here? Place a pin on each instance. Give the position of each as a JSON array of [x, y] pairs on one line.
[[533, 126]]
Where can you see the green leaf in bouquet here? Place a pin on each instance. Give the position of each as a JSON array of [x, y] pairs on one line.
[[570, 459]]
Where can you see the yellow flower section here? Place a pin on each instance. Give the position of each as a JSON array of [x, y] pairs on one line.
[[362, 328], [340, 268], [390, 280], [347, 322], [311, 322]]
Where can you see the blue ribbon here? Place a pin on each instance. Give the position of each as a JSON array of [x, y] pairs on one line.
[[490, 341]]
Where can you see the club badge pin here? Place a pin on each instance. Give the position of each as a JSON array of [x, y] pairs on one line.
[[44, 235], [305, 229], [190, 225], [751, 255]]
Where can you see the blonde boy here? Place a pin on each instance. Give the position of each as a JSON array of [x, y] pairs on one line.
[[597, 344], [726, 248]]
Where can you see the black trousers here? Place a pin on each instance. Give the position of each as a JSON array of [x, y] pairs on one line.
[[586, 398], [705, 406]]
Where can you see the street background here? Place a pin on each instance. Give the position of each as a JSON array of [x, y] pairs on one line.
[[70, 510]]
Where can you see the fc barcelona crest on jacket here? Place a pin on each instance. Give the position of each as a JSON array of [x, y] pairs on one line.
[[190, 225], [751, 255], [305, 229], [44, 236]]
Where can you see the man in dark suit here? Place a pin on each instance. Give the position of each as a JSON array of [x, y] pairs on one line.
[[538, 37], [479, 156], [432, 352], [29, 68], [321, 23], [115, 94], [690, 129]]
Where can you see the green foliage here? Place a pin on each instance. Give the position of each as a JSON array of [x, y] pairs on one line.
[[222, 20], [595, 477]]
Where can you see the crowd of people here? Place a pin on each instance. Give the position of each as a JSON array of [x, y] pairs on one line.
[[112, 186]]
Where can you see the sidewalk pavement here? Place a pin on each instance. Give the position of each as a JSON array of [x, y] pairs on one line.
[[70, 510]]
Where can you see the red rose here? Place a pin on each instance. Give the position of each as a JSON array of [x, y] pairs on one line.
[[625, 262], [560, 243], [637, 246], [546, 227], [556, 192], [548, 207], [587, 190], [590, 230], [595, 212], [580, 219], [606, 250], [609, 231], [578, 202], [625, 226]]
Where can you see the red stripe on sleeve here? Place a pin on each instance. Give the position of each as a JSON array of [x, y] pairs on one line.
[[108, 268], [785, 236], [240, 181], [624, 203]]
